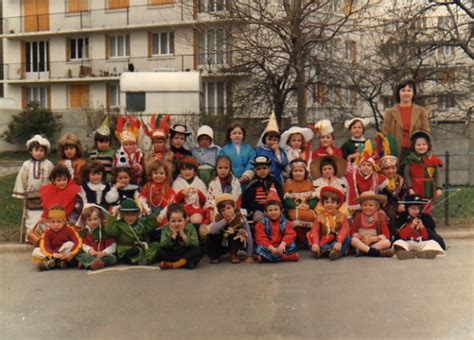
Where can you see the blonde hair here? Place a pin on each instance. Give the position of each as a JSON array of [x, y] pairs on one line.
[[69, 139]]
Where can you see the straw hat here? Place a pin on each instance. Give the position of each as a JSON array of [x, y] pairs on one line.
[[340, 163], [370, 195], [224, 197]]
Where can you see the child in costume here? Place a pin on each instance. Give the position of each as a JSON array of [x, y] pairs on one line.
[[206, 153], [129, 155], [229, 233], [300, 199], [275, 237], [70, 152], [330, 235], [296, 143], [179, 245], [157, 194], [62, 191], [158, 131], [122, 188], [363, 177], [191, 192], [93, 188], [240, 153], [103, 152], [59, 244], [178, 136], [369, 228], [269, 146], [131, 233], [98, 247], [224, 183], [417, 236], [326, 140], [262, 188], [393, 187], [33, 174], [353, 147], [421, 172]]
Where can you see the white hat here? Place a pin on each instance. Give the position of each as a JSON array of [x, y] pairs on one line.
[[205, 130], [40, 140], [349, 122], [324, 127], [307, 134]]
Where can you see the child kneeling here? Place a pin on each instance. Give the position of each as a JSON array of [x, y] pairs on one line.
[[59, 243], [179, 244], [275, 236], [330, 236], [229, 233], [98, 248]]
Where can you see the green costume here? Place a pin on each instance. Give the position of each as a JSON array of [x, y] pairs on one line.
[[177, 245]]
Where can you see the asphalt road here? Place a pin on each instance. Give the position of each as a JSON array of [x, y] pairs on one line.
[[351, 298]]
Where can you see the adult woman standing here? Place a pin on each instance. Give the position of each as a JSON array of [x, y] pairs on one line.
[[405, 117]]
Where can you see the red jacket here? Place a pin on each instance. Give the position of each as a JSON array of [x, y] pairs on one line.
[[51, 241], [322, 233], [407, 232], [261, 237], [381, 224]]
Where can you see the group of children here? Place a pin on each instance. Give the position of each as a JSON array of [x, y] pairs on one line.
[[170, 204]]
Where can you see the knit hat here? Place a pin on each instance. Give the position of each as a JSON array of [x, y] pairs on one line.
[[223, 198], [129, 205], [315, 167], [370, 195], [188, 160], [307, 134], [348, 123], [205, 130], [323, 127], [422, 134], [40, 140], [259, 160], [180, 128], [414, 200], [334, 190]]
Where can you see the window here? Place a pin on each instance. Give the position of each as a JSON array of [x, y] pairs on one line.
[[447, 50], [116, 4], [214, 98], [37, 56], [36, 15], [119, 46], [446, 102], [350, 51], [161, 2], [163, 43], [113, 95], [74, 6], [445, 23], [136, 101], [38, 94], [388, 101], [351, 96], [448, 74], [78, 96], [212, 47], [210, 6], [78, 48]]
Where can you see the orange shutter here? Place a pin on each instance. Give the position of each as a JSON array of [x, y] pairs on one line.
[[321, 94], [161, 2], [115, 4], [79, 96], [24, 96], [43, 15], [30, 14], [22, 60], [229, 98], [107, 96], [77, 6], [48, 95], [347, 7], [195, 8], [150, 44], [68, 51]]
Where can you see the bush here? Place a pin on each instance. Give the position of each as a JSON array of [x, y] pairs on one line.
[[33, 120]]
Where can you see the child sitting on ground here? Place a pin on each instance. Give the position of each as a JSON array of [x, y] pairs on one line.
[[417, 236], [70, 152], [229, 233], [59, 243], [62, 191], [369, 228], [93, 187], [206, 153], [330, 236], [179, 245], [98, 248], [131, 233], [259, 190], [274, 236], [33, 174]]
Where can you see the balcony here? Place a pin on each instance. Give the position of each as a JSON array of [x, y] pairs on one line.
[[101, 19], [101, 69]]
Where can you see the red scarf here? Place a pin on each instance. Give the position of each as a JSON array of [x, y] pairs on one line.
[[51, 195]]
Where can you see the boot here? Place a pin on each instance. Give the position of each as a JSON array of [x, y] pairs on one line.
[[405, 255], [234, 258], [426, 254], [45, 265]]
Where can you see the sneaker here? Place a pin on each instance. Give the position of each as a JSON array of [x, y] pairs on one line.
[[290, 257], [405, 255], [62, 264], [427, 254], [233, 258], [334, 255], [97, 264], [166, 265], [45, 265], [386, 252], [214, 261]]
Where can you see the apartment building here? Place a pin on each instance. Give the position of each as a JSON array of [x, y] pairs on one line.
[[69, 54]]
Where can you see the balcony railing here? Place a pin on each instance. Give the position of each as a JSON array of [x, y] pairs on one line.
[[101, 18], [103, 68]]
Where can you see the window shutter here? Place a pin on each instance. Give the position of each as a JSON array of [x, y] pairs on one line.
[[347, 7], [107, 42], [150, 44], [22, 60], [24, 96], [195, 48], [354, 51], [68, 50], [48, 95], [108, 89]]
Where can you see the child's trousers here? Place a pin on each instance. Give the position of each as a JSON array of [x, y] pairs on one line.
[[268, 255], [86, 260], [419, 246], [65, 249], [216, 249], [192, 255]]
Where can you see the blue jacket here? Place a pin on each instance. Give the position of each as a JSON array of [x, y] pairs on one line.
[[277, 166], [240, 161]]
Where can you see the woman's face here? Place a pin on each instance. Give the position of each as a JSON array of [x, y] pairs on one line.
[[406, 95], [357, 130], [237, 135]]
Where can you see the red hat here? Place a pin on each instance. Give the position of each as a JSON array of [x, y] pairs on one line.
[[188, 160], [334, 190]]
